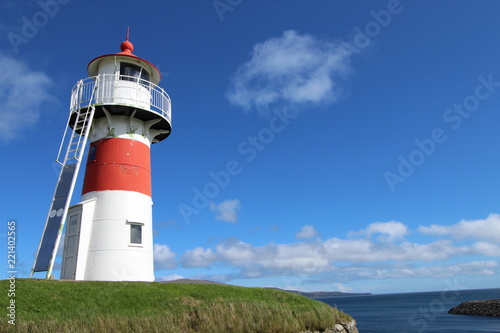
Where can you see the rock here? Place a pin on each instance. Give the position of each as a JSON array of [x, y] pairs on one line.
[[349, 327], [490, 308], [339, 328]]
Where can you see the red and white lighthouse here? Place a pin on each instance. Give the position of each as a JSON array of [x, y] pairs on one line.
[[121, 110]]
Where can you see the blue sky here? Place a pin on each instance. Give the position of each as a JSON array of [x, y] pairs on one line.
[[326, 145]]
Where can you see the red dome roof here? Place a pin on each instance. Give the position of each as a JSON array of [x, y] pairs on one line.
[[127, 47]]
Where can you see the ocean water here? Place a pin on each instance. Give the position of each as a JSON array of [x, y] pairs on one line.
[[417, 312]]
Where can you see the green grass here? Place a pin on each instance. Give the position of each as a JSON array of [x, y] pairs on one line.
[[91, 306]]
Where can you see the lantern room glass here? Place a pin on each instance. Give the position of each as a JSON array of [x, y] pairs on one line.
[[131, 72]]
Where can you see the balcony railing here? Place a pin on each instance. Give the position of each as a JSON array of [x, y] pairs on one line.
[[115, 89]]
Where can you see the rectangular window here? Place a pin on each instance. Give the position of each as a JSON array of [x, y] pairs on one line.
[[136, 234], [92, 153], [130, 72]]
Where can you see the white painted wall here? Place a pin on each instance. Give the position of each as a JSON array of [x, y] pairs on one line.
[[111, 256]]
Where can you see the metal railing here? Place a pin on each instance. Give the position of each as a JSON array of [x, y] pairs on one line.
[[109, 89]]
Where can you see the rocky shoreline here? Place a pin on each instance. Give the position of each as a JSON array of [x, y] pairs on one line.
[[488, 308], [349, 327]]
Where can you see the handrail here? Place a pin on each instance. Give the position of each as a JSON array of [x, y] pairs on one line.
[[82, 94]]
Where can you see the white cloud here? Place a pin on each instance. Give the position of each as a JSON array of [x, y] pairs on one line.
[[365, 250], [486, 249], [198, 257], [307, 232], [487, 229], [389, 231], [164, 258], [340, 287], [215, 277], [227, 210], [236, 252], [293, 69], [22, 93], [171, 277]]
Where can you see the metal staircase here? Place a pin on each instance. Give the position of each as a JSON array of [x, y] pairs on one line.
[[73, 144]]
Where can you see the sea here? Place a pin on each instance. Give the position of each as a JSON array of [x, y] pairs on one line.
[[423, 312]]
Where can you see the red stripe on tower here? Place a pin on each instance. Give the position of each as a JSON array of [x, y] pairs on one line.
[[118, 164]]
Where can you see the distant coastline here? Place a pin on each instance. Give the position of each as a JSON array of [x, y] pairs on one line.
[[313, 294], [324, 294]]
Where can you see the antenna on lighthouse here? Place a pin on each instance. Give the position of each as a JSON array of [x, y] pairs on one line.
[[121, 110]]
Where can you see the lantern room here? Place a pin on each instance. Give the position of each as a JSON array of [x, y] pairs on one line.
[[123, 84]]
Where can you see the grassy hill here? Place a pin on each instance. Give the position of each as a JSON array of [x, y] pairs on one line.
[[91, 306]]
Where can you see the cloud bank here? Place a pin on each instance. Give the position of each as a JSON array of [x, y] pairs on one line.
[[379, 251], [488, 229]]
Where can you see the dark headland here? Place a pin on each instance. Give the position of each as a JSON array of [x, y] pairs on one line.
[[488, 308]]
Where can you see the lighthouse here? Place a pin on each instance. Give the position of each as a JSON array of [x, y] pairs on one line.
[[121, 111]]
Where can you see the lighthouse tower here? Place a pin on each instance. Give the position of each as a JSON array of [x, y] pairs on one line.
[[121, 111]]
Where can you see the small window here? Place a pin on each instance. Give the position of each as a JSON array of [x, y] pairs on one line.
[[130, 72], [92, 154], [73, 224], [136, 234]]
